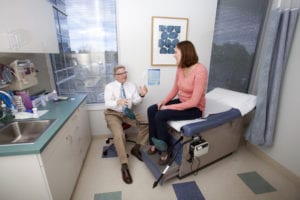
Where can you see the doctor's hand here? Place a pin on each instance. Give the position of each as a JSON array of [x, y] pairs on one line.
[[122, 102], [143, 90]]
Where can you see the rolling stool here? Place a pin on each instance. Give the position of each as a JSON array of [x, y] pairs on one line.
[[125, 126]]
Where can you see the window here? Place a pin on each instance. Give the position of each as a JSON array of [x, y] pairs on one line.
[[87, 36], [237, 29]]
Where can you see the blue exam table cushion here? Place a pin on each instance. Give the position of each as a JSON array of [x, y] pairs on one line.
[[222, 105], [211, 121]]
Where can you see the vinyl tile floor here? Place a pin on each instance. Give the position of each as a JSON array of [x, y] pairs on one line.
[[219, 181]]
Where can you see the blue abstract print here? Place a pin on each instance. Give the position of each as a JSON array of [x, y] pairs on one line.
[[169, 35]]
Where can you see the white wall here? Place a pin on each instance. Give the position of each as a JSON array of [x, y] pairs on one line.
[[134, 45], [134, 32]]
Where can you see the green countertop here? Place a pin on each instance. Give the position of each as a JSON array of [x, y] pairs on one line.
[[60, 111]]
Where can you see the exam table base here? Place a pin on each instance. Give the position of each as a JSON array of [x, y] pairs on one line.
[[223, 141]]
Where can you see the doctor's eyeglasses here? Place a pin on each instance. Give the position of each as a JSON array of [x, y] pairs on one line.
[[122, 73]]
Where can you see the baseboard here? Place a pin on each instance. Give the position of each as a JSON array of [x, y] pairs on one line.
[[281, 169]]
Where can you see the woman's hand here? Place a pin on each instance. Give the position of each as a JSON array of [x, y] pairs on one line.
[[161, 106]]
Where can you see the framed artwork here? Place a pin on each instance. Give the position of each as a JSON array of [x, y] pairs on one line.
[[166, 33]]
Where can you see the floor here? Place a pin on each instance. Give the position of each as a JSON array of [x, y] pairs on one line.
[[216, 182]]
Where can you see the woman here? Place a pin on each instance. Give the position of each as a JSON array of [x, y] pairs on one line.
[[190, 87]]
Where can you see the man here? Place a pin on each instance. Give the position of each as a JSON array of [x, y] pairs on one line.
[[119, 96]]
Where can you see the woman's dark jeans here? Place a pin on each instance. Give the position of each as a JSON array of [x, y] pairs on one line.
[[157, 119]]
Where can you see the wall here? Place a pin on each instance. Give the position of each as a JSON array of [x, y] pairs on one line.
[[134, 52], [134, 34]]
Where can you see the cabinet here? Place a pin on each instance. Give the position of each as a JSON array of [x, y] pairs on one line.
[[27, 27], [23, 178], [51, 175], [64, 156]]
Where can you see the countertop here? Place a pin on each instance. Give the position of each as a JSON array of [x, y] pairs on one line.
[[61, 111]]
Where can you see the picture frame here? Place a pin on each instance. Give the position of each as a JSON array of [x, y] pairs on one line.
[[166, 33]]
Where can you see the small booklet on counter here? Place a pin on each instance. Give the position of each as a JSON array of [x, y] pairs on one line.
[[61, 98]]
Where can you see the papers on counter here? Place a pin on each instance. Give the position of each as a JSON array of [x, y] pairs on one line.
[[27, 115]]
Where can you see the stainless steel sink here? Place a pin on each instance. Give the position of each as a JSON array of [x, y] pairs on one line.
[[19, 132]]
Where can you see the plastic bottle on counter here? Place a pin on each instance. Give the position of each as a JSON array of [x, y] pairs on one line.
[[19, 103], [25, 99], [3, 110], [35, 113], [43, 100], [6, 114], [54, 95]]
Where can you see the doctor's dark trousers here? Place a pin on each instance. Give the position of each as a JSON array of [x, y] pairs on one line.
[[157, 119]]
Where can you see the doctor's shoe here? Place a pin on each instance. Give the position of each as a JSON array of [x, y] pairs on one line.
[[126, 174], [136, 152]]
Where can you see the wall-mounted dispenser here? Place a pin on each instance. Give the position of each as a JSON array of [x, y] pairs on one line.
[[24, 73]]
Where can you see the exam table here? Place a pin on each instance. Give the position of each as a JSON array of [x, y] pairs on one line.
[[203, 141]]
